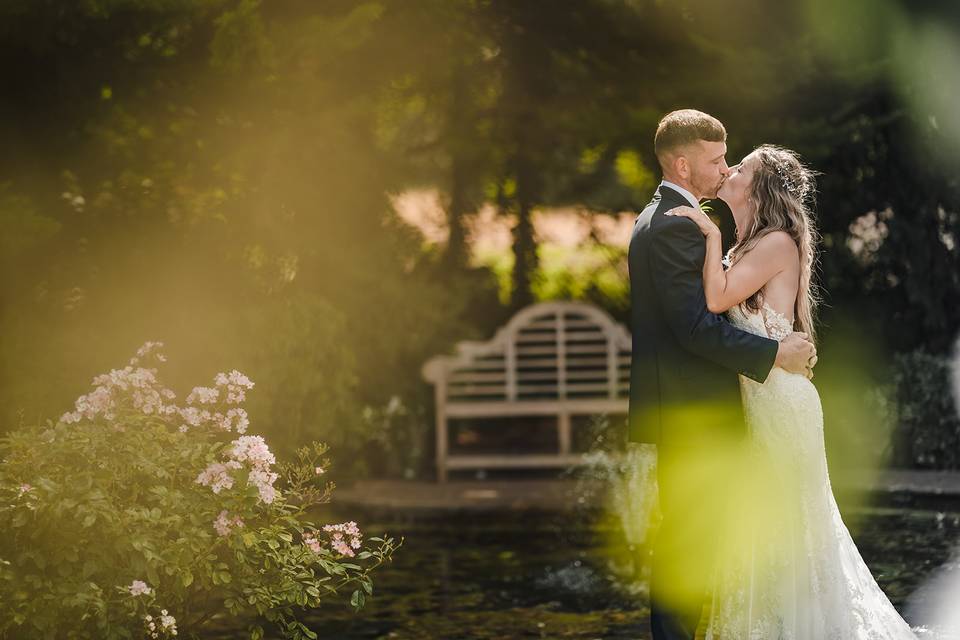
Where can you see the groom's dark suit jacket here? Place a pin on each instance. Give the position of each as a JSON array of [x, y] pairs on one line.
[[683, 383]]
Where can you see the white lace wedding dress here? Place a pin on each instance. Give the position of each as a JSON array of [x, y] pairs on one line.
[[789, 568]]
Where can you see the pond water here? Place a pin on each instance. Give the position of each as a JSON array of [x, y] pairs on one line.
[[500, 576]]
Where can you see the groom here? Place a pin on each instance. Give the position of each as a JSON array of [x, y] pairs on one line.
[[684, 390]]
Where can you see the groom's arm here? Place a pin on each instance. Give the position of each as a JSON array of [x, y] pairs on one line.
[[677, 263]]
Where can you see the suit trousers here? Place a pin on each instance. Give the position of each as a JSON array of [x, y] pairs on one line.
[[693, 504]]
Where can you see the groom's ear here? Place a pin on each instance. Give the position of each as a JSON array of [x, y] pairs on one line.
[[675, 163]]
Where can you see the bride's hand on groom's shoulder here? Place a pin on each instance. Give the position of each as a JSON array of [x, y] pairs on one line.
[[703, 222]]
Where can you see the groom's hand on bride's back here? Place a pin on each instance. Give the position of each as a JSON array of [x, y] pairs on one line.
[[797, 354]]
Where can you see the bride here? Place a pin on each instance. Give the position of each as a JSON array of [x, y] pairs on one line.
[[789, 568]]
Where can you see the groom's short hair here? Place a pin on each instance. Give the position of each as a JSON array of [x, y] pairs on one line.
[[685, 126]]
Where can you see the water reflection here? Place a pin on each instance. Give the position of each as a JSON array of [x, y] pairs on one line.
[[534, 575]]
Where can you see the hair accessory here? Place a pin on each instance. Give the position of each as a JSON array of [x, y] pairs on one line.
[[796, 190]]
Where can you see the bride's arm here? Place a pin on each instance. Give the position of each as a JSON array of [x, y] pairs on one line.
[[714, 277], [724, 289]]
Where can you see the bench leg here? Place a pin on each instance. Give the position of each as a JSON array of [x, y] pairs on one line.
[[564, 433], [441, 427]]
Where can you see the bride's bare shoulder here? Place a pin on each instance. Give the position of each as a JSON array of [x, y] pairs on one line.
[[779, 246]]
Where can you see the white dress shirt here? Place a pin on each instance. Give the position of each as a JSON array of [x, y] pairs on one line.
[[686, 194]]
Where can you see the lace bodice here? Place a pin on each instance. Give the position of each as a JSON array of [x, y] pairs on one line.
[[768, 322]]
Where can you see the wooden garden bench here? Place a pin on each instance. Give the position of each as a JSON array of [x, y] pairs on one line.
[[552, 362]]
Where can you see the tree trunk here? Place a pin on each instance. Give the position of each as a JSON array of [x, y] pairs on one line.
[[524, 244], [456, 256]]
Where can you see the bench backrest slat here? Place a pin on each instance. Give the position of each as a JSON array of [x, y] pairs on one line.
[[549, 351]]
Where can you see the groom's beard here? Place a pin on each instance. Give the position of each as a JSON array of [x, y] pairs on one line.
[[708, 193], [716, 191]]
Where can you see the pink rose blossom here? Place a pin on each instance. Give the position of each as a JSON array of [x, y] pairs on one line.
[[236, 384], [239, 419], [167, 624], [263, 480], [339, 534], [253, 452], [131, 387], [203, 395], [311, 542], [224, 524], [139, 587], [252, 449], [148, 348], [217, 475]]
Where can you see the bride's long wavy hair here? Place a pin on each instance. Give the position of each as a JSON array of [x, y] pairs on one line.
[[783, 190]]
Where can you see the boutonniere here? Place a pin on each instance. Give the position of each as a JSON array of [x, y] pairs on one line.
[[707, 209]]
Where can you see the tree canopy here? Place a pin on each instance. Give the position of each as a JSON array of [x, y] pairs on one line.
[[217, 174]]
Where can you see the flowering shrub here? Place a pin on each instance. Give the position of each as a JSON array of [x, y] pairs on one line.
[[133, 516]]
